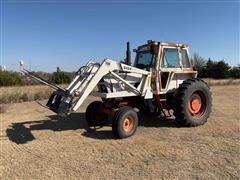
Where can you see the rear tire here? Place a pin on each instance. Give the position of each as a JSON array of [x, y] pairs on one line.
[[94, 114], [125, 123], [192, 103]]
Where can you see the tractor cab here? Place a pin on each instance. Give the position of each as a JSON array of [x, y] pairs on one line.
[[162, 55], [168, 62]]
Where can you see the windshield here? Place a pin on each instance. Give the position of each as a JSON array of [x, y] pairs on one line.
[[144, 59]]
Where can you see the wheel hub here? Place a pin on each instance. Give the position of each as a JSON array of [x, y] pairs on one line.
[[195, 104], [128, 123]]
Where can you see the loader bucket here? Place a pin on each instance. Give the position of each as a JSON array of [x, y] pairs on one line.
[[60, 100]]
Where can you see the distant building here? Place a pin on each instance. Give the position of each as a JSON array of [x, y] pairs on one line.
[[3, 68]]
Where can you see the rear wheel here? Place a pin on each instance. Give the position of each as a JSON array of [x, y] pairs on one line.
[[95, 115], [125, 123], [193, 103]]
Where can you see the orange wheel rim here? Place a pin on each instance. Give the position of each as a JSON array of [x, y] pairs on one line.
[[196, 106], [128, 123]]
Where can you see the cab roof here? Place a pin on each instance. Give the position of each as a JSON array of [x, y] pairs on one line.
[[153, 42]]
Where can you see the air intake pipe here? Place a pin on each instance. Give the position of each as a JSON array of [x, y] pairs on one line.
[[128, 54]]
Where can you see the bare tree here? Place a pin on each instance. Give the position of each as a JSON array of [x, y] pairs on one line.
[[198, 62]]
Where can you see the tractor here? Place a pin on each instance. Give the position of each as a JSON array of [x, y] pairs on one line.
[[161, 78]]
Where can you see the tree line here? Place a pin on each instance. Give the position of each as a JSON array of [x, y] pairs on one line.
[[206, 69], [214, 69], [11, 78]]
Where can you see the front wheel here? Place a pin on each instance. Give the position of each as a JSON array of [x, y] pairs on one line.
[[192, 103], [125, 123]]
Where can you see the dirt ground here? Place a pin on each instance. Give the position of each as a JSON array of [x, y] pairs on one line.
[[36, 144]]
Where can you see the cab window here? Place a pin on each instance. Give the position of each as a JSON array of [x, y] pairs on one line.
[[185, 61], [144, 59], [170, 58]]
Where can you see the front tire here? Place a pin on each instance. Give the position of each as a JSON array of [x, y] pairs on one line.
[[192, 103], [125, 123]]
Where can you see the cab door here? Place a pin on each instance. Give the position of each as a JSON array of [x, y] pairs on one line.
[[169, 63]]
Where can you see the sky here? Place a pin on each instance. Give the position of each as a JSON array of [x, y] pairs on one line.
[[67, 34]]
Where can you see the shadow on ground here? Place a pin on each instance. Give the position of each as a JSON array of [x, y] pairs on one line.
[[21, 132]]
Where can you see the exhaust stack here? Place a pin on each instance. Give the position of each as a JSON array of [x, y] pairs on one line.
[[128, 54]]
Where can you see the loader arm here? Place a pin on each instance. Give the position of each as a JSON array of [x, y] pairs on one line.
[[92, 80], [121, 80], [108, 67]]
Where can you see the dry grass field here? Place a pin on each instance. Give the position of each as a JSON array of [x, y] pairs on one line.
[[221, 82], [18, 94], [37, 144], [23, 93], [15, 94]]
